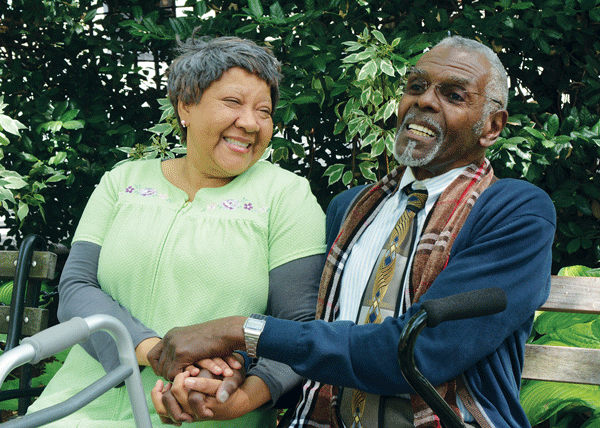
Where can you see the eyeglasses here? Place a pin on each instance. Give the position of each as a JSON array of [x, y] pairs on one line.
[[450, 93]]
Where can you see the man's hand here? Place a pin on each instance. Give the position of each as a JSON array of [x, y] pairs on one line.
[[183, 346]]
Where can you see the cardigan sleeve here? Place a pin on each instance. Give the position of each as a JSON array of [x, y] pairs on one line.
[[505, 242]]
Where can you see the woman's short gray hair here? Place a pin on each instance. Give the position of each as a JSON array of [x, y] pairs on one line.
[[203, 60]]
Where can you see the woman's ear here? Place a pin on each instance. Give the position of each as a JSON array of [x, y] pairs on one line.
[[493, 127], [184, 111]]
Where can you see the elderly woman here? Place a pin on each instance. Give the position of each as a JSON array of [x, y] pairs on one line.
[[215, 233]]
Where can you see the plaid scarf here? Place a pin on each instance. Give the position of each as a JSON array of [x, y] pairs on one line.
[[318, 404]]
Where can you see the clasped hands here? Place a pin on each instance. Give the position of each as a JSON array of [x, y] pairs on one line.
[[208, 378]]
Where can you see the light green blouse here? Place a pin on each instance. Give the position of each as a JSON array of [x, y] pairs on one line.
[[171, 262]]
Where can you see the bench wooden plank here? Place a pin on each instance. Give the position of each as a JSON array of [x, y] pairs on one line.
[[562, 364], [42, 265], [34, 320], [574, 294]]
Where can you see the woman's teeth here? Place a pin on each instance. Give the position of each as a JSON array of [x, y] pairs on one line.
[[237, 143]]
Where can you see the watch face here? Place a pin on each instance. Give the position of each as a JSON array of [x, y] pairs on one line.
[[254, 324]]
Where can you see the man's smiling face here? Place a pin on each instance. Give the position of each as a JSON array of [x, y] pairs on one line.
[[440, 113]]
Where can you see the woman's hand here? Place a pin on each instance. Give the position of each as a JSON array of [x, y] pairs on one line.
[[252, 394], [141, 351], [175, 403]]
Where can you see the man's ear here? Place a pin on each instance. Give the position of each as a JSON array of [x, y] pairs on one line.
[[493, 126]]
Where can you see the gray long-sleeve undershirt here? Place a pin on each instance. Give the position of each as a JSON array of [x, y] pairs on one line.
[[293, 290]]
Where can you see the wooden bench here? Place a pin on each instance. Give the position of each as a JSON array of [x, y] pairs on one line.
[[28, 268], [562, 363]]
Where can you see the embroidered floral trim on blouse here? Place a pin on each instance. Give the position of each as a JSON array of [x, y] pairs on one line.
[[227, 204], [234, 204], [146, 192]]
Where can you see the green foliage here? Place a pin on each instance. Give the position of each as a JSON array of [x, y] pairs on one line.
[[373, 71], [561, 158], [75, 80], [80, 92], [17, 192], [557, 402]]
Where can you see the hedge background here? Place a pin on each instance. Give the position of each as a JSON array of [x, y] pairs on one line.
[[72, 73]]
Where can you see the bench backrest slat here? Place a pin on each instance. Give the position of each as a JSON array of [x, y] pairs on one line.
[[43, 265], [561, 363]]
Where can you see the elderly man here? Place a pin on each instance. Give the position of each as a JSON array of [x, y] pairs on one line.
[[438, 225]]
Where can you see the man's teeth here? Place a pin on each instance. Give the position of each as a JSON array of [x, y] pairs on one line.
[[237, 143], [421, 130]]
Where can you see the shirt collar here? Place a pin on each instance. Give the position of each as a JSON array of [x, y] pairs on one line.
[[434, 185]]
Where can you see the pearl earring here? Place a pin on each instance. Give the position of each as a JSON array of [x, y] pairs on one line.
[[183, 123]]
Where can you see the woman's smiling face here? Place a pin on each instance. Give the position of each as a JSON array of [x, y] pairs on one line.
[[231, 126]]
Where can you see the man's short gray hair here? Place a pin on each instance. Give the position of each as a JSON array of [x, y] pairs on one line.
[[497, 86], [203, 60]]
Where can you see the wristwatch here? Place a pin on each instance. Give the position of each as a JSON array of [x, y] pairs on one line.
[[253, 327]]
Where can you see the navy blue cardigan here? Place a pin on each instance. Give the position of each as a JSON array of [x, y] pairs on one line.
[[505, 242]]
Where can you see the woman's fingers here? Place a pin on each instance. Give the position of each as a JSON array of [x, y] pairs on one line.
[[157, 394], [217, 366], [203, 385], [180, 392]]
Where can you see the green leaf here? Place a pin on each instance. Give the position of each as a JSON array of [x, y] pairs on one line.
[[305, 99], [535, 133], [56, 178], [369, 70], [369, 139], [22, 211], [541, 400], [573, 245], [161, 128], [579, 270], [278, 154], [366, 170], [52, 126], [587, 4], [10, 125], [347, 178], [582, 204], [12, 181], [6, 194], [387, 67], [552, 125], [58, 158], [256, 8], [89, 16], [390, 109], [334, 172], [277, 12], [379, 36], [74, 124], [70, 115], [378, 147]]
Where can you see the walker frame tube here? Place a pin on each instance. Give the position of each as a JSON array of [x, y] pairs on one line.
[[64, 335]]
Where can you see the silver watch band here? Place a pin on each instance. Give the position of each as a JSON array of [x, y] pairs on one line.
[[253, 328]]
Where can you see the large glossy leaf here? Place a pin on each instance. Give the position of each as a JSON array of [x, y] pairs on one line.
[[541, 400]]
